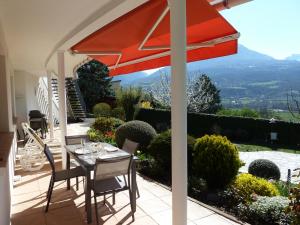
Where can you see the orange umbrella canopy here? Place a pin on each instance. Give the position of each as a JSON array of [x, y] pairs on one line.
[[140, 39]]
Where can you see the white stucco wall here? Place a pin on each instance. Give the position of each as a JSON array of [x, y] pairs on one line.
[[6, 125], [25, 88]]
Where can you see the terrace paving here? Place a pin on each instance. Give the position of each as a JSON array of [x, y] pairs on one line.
[[283, 160], [67, 206]]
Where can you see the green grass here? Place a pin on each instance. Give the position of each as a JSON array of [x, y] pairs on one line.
[[287, 116], [255, 148]]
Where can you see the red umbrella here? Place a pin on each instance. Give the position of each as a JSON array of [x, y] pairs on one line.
[[140, 40]]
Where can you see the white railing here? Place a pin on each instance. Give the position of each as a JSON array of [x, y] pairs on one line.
[[42, 99]]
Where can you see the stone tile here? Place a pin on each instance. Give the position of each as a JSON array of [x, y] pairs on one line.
[[153, 206], [32, 219], [214, 219], [196, 211]]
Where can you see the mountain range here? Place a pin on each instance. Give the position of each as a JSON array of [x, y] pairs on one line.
[[248, 78]]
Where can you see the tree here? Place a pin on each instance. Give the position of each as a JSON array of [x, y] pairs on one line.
[[202, 94], [128, 99], [94, 83], [293, 104]]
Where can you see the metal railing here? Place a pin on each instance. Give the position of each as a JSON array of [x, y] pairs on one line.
[[42, 99]]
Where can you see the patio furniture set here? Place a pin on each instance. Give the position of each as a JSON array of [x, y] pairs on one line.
[[105, 169]]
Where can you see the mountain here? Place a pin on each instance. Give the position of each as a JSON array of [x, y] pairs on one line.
[[248, 78], [129, 79], [294, 57]]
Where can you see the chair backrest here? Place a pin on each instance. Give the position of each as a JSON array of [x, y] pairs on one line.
[[105, 169], [50, 158], [75, 139], [33, 136], [36, 137], [130, 146]]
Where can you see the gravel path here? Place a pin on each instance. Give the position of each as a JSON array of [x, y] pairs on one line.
[[283, 160]]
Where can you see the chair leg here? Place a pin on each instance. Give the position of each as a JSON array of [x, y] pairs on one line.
[[130, 198], [96, 208], [50, 194], [114, 198], [83, 182], [49, 187], [137, 190], [104, 199], [77, 185]]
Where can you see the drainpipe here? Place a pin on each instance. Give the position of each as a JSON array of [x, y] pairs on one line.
[[178, 111], [62, 104], [50, 104]]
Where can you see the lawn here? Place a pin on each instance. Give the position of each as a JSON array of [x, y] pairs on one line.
[[251, 147]]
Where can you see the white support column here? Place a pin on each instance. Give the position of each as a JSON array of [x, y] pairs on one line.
[[50, 104], [178, 111], [62, 104]]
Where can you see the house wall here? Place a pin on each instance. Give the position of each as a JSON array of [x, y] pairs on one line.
[[25, 88], [6, 125]]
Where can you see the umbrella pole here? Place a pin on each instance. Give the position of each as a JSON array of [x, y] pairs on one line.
[[178, 111]]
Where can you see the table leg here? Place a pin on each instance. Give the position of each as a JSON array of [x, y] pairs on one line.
[[133, 185], [88, 202], [68, 168]]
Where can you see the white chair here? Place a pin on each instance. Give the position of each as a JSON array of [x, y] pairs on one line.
[[131, 147], [106, 181], [32, 157]]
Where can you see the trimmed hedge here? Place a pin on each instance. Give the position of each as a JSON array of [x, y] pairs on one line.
[[135, 130], [235, 128], [264, 168]]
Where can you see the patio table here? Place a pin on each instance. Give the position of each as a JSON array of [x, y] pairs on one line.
[[87, 162]]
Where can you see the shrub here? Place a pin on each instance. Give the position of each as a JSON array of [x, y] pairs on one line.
[[294, 206], [265, 169], [118, 112], [106, 124], [246, 185], [138, 131], [216, 160], [98, 136], [101, 109], [266, 210], [160, 149], [128, 98]]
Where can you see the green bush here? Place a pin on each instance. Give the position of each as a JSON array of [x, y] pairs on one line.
[[265, 169], [246, 112], [216, 160], [160, 149], [118, 112], [246, 185], [128, 99], [138, 131], [266, 210], [101, 109], [107, 124]]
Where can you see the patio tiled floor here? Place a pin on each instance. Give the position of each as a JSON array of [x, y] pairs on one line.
[[67, 207]]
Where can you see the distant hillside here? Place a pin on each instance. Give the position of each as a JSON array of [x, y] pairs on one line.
[[294, 57], [248, 78]]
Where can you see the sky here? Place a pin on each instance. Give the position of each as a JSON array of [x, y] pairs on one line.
[[270, 27]]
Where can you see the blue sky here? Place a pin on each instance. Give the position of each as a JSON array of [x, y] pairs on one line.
[[268, 26], [271, 27]]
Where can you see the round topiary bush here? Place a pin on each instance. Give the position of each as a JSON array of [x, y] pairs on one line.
[[246, 185], [160, 149], [138, 131], [101, 109], [265, 169], [216, 160]]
